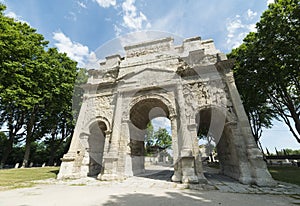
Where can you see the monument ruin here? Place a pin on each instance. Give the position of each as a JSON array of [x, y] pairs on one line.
[[190, 84]]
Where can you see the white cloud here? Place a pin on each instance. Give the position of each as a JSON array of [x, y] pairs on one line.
[[81, 4], [71, 16], [92, 61], [251, 14], [234, 39], [13, 15], [74, 50], [132, 19], [238, 27], [252, 27], [105, 3], [161, 122], [117, 30], [270, 2]]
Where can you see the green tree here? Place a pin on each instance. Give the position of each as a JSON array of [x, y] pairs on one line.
[[156, 140], [36, 88], [57, 119], [19, 47], [149, 138], [249, 85], [163, 139], [267, 66]]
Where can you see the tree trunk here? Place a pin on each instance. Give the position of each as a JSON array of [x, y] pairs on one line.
[[51, 159], [7, 150], [27, 152], [52, 151], [30, 126], [297, 126], [13, 130]]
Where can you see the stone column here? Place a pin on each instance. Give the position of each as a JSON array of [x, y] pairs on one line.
[[187, 161], [198, 163], [185, 146], [255, 170], [125, 165], [177, 169], [75, 145], [107, 142], [174, 137], [110, 163], [116, 131]]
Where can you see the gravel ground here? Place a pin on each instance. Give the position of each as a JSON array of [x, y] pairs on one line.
[[143, 190]]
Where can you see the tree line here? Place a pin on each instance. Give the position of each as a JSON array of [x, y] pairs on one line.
[[36, 90]]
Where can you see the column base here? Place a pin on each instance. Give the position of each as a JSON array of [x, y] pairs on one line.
[[188, 170], [184, 171], [109, 170], [176, 177]]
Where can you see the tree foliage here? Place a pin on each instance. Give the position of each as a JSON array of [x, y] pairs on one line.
[[36, 89], [156, 140], [163, 139], [267, 68]]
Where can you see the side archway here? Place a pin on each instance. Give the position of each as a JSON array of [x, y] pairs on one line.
[[95, 145], [215, 124]]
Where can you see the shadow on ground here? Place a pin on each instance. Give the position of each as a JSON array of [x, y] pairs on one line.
[[56, 171], [164, 175], [168, 198]]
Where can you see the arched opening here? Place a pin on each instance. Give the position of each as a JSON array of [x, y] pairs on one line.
[[96, 142], [216, 143], [158, 143], [150, 147]]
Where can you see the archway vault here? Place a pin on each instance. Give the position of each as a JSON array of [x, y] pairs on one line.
[[105, 124], [146, 109]]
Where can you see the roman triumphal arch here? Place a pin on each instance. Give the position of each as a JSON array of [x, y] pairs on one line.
[[192, 85]]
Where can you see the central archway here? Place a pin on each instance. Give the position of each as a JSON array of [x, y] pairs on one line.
[[141, 113]]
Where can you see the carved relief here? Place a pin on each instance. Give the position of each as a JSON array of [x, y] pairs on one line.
[[205, 93], [102, 106]]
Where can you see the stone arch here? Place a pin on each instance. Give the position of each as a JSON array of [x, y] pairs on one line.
[[228, 115], [182, 93], [140, 114], [97, 130], [99, 119], [166, 101], [219, 128], [220, 108]]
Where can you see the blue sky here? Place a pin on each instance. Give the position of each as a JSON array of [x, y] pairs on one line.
[[80, 27]]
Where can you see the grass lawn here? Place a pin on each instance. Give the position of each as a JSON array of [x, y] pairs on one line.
[[290, 174], [22, 177]]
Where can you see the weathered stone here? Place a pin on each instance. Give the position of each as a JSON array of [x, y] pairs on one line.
[[192, 85]]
